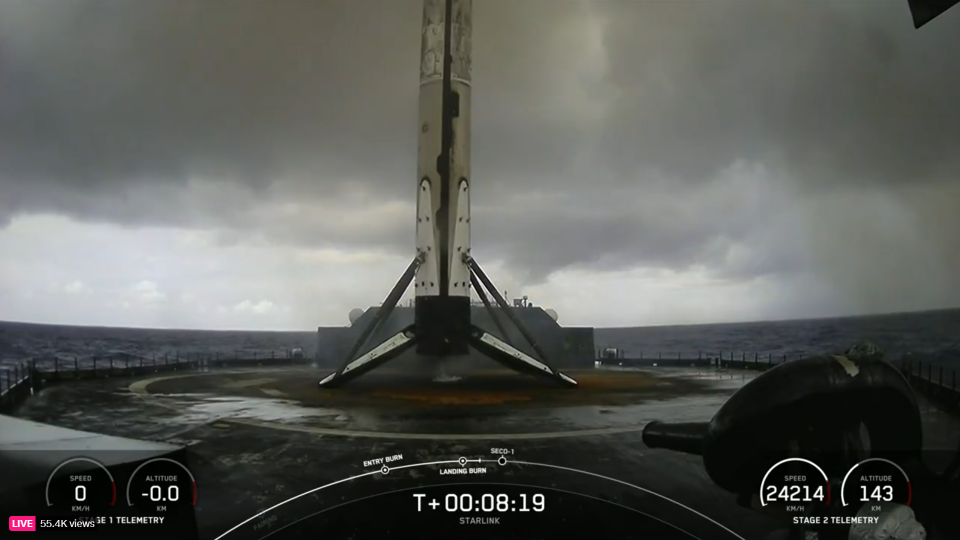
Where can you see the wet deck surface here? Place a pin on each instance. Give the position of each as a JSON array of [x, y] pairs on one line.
[[261, 437]]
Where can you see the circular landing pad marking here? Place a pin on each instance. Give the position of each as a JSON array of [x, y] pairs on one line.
[[437, 436], [393, 391], [454, 398], [615, 384], [498, 387], [140, 387]]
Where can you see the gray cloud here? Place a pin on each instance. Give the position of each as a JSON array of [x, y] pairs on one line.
[[747, 138], [839, 91]]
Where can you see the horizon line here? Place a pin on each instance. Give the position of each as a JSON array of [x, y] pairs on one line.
[[664, 325]]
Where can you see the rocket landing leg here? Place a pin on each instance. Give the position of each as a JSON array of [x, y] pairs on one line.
[[515, 359], [484, 342], [481, 340], [379, 355]]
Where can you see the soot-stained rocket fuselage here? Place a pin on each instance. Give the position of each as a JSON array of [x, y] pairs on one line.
[[442, 283]]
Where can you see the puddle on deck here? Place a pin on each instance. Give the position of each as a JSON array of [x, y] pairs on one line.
[[719, 379], [203, 408]]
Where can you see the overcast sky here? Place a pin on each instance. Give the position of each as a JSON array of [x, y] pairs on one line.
[[251, 164]]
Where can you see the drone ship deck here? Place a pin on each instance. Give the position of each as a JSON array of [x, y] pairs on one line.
[[257, 438]]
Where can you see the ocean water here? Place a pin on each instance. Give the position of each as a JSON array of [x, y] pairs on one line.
[[929, 333], [932, 334]]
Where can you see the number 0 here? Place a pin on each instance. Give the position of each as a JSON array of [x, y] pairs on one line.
[[80, 493]]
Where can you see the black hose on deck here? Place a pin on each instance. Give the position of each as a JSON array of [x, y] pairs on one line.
[[686, 437]]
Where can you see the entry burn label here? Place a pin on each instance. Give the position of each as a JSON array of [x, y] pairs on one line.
[[382, 460]]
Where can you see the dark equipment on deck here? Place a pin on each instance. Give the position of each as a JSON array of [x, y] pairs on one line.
[[832, 410]]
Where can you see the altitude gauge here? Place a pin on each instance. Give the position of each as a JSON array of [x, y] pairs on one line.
[[797, 484], [80, 485], [875, 481], [161, 484]]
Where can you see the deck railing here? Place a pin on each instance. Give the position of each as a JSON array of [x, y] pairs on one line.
[[694, 358], [935, 380], [22, 379]]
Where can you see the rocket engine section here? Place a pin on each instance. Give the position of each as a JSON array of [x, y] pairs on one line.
[[443, 206]]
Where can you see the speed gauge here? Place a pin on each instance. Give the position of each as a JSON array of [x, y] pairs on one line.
[[80, 484], [796, 484]]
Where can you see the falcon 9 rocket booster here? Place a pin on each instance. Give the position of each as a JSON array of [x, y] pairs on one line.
[[444, 271]]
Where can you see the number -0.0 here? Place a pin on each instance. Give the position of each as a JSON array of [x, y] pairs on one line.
[[156, 493]]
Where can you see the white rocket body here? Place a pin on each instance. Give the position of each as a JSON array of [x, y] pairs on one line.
[[446, 233]]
